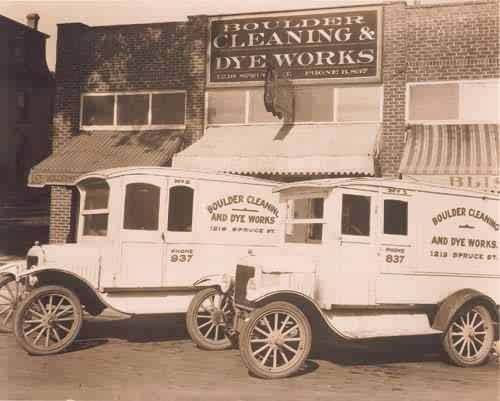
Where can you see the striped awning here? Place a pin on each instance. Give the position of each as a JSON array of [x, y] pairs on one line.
[[472, 149]]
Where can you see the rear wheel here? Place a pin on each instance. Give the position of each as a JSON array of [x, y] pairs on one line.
[[48, 320], [208, 319], [10, 294], [469, 339], [275, 341]]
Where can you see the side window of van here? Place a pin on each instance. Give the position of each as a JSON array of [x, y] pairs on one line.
[[304, 221], [355, 215], [95, 208], [395, 217], [142, 202], [180, 209]]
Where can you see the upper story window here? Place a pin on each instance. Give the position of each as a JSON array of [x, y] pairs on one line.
[[180, 209], [326, 104], [454, 102], [395, 217], [304, 222], [355, 215], [142, 203], [151, 110], [22, 106], [95, 207]]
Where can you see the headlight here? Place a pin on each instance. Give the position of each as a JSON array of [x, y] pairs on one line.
[[34, 256], [226, 282]]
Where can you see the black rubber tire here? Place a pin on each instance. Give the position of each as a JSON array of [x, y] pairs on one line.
[[8, 302], [25, 312], [250, 357], [457, 343], [192, 322]]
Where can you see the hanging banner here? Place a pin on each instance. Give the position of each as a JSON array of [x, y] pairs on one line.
[[335, 45]]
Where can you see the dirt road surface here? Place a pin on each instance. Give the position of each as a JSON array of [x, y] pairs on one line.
[[152, 359]]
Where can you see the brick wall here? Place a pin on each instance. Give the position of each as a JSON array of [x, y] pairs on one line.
[[124, 58]]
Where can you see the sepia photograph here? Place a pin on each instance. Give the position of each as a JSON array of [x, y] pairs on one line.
[[250, 201]]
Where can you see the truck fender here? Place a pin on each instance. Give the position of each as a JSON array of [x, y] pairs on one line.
[[14, 269], [87, 294], [311, 309], [453, 303]]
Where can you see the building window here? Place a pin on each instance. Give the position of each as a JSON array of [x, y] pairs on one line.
[[152, 110], [142, 204], [356, 215], [180, 209], [395, 217], [322, 104], [95, 208], [454, 102], [22, 106], [304, 223]]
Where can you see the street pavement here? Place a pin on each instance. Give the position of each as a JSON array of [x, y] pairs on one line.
[[151, 358]]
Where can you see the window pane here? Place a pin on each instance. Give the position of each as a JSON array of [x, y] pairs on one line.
[[96, 195], [434, 102], [305, 208], [313, 103], [180, 209], [226, 107], [395, 217], [355, 215], [142, 202], [359, 103], [258, 112], [479, 101], [304, 233], [168, 108], [95, 224], [98, 110], [133, 109]]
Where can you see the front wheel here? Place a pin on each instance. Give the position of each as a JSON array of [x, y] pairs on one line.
[[48, 320], [275, 341], [208, 317], [469, 339], [10, 294]]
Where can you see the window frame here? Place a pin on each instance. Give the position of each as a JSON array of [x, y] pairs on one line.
[[246, 93], [87, 212], [115, 126], [372, 197], [395, 199], [292, 221], [460, 119], [193, 214], [124, 217]]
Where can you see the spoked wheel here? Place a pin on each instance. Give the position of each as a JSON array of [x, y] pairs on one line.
[[275, 341], [469, 338], [10, 294], [48, 320], [208, 318]]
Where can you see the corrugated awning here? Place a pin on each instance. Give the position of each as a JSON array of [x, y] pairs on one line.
[[472, 149], [100, 150], [288, 149]]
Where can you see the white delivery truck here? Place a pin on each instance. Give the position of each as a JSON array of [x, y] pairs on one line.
[[372, 257], [145, 236]]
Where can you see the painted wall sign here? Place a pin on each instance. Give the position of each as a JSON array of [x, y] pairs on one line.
[[486, 183], [336, 44]]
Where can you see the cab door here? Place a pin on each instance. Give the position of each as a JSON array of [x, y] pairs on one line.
[[142, 231], [356, 251]]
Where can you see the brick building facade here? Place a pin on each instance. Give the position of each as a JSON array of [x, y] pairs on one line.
[[452, 48]]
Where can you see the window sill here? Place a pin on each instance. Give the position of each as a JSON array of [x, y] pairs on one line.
[[132, 127]]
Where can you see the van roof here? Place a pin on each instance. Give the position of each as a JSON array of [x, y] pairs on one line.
[[413, 185], [174, 172]]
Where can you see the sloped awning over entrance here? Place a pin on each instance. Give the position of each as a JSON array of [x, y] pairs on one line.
[[315, 149], [100, 150], [472, 149]]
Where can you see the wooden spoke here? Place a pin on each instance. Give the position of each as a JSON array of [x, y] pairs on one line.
[[33, 321], [63, 328], [209, 330], [258, 351], [473, 346], [6, 298], [457, 325], [276, 317], [33, 329], [463, 346], [39, 335], [283, 356], [64, 319], [474, 318], [283, 325], [266, 356], [216, 332], [204, 324], [294, 351], [294, 339], [267, 323], [58, 305], [47, 338], [459, 341], [479, 333], [275, 357], [10, 291], [290, 330], [204, 317], [5, 309], [259, 340], [262, 331], [56, 334], [64, 311], [35, 313], [42, 308], [9, 314]]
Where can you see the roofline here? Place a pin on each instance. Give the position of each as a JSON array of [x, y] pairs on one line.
[[168, 171], [330, 183], [20, 24]]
